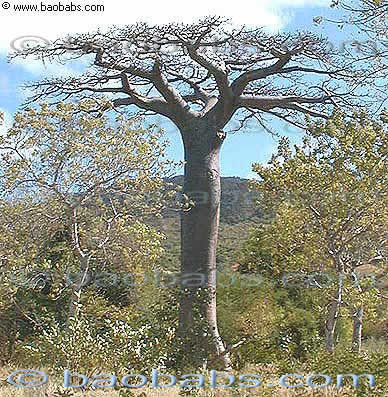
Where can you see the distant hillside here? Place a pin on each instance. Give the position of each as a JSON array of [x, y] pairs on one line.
[[237, 203], [238, 214]]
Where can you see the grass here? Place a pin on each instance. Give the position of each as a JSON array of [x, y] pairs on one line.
[[54, 388]]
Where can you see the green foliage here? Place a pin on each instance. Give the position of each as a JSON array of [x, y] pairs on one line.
[[345, 361], [89, 346], [124, 328], [328, 199], [77, 192]]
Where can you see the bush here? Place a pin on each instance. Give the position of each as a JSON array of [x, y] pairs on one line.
[[344, 361]]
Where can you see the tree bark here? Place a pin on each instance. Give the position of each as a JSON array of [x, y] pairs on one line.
[[84, 276], [357, 329], [199, 234], [76, 289], [332, 316]]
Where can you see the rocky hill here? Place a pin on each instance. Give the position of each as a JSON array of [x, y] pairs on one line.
[[237, 202], [238, 214]]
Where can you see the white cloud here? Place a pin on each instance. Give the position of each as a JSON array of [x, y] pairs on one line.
[[26, 28], [51, 25]]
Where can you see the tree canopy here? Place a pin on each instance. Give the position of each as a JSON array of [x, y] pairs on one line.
[[209, 70]]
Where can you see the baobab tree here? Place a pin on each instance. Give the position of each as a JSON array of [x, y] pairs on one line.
[[199, 76]]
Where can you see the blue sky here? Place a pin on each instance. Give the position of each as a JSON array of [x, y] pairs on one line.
[[240, 150]]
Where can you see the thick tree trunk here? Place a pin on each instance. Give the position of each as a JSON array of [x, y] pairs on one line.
[[357, 329], [332, 316], [199, 233]]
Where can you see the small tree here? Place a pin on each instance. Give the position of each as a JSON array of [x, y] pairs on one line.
[[94, 182], [332, 206]]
